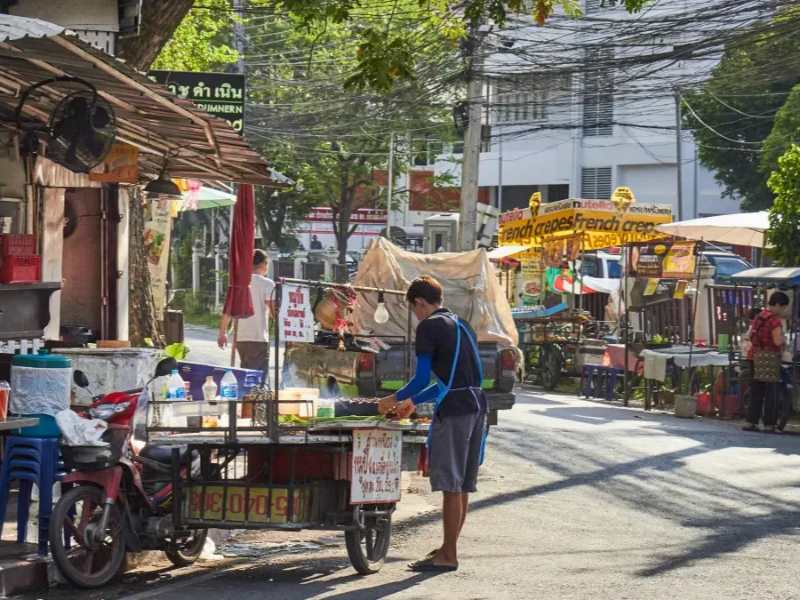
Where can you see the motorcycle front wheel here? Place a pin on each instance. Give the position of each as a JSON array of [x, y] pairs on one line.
[[83, 556]]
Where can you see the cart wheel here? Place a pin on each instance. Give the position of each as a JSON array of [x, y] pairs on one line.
[[367, 548], [551, 368], [189, 550]]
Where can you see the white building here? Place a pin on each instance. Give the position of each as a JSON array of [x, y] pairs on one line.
[[575, 112]]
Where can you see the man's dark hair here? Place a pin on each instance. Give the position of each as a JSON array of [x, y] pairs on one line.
[[779, 299], [259, 257], [425, 287]]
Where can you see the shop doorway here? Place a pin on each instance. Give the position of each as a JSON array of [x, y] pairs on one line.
[[88, 269]]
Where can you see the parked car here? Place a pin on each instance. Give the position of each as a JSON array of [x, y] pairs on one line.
[[725, 264]]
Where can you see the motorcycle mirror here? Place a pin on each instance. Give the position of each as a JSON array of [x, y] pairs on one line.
[[165, 366], [80, 379]]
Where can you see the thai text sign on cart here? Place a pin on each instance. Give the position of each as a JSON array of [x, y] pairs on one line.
[[377, 462]]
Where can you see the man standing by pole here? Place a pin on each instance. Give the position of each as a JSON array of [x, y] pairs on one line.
[[446, 347], [252, 338]]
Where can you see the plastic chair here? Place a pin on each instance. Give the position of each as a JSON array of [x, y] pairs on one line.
[[30, 460]]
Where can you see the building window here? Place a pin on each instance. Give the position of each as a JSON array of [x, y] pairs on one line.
[[598, 92], [523, 98], [426, 151], [596, 183]]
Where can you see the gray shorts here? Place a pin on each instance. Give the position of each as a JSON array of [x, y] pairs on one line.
[[455, 452]]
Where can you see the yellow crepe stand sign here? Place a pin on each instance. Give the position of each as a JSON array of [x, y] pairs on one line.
[[596, 223]]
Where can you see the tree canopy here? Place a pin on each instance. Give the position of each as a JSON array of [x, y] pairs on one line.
[[784, 216], [733, 114]]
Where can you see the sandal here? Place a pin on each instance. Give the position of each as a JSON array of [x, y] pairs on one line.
[[426, 565]]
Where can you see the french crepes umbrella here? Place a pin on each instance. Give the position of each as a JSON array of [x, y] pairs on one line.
[[238, 303]]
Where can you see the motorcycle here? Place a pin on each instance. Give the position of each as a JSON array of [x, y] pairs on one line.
[[119, 500]]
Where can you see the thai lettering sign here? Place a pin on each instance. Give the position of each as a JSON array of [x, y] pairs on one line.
[[120, 165], [219, 94], [296, 317], [239, 504], [377, 462]]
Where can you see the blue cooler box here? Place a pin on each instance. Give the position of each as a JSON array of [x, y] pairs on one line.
[[196, 373]]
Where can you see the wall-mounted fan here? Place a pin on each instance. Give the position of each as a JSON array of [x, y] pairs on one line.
[[80, 131]]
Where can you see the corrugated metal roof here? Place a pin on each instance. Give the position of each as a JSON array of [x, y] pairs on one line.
[[17, 28], [198, 145]]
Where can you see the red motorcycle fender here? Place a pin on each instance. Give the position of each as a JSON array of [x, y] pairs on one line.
[[108, 479]]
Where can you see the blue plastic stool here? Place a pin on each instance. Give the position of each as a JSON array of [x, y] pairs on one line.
[[30, 460], [599, 382]]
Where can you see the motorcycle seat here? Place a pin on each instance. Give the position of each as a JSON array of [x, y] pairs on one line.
[[162, 454]]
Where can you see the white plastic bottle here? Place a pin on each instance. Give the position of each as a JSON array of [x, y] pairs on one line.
[[177, 391], [229, 387], [229, 391]]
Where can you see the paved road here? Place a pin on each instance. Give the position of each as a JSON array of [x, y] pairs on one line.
[[202, 343], [577, 500]]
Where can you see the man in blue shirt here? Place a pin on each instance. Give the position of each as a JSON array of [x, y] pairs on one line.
[[446, 348]]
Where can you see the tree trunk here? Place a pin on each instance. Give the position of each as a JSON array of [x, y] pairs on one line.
[[160, 19], [142, 311]]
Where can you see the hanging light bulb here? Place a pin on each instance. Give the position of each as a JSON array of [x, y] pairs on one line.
[[381, 315]]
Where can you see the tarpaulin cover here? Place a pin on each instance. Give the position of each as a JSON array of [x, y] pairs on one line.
[[238, 303], [471, 290]]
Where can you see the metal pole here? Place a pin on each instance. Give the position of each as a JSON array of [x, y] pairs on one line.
[[472, 145], [389, 188], [679, 150], [500, 173]]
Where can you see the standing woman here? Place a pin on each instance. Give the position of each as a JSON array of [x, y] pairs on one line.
[[767, 341]]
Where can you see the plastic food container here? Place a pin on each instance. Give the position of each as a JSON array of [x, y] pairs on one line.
[[300, 402]]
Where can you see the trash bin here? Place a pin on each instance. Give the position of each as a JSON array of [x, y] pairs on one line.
[[173, 326]]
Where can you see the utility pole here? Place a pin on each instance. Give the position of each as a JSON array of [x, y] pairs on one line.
[[389, 186], [679, 149], [500, 173], [472, 142]]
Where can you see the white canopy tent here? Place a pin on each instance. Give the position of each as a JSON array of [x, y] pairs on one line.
[[741, 229]]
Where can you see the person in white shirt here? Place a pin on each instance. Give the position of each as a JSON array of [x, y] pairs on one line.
[[252, 341]]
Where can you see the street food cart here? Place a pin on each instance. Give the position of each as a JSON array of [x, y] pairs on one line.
[[565, 314], [729, 307], [292, 458]]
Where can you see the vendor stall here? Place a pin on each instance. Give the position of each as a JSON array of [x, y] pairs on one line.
[[297, 457], [571, 308]]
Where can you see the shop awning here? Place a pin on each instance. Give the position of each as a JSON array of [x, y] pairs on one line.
[[149, 117], [740, 229], [789, 276], [505, 251], [205, 198]]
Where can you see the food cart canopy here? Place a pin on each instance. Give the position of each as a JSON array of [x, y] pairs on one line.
[[741, 229], [505, 252], [471, 290], [789, 276], [148, 116]]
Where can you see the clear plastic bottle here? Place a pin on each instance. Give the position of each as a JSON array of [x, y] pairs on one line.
[[210, 390], [229, 392], [177, 390], [229, 387]]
